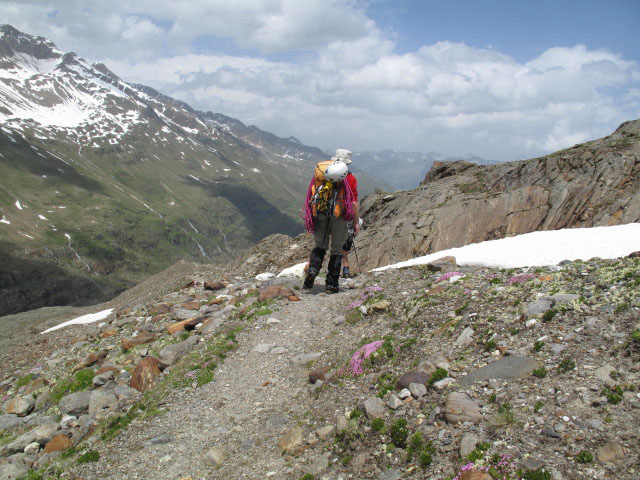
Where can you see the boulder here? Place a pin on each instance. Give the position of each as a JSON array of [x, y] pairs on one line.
[[610, 452], [144, 374], [188, 324], [420, 375], [75, 404], [46, 432], [213, 286], [275, 291], [418, 390], [171, 354], [460, 408], [444, 265], [102, 400], [12, 471], [215, 456], [468, 444], [58, 443], [507, 368], [160, 309], [20, 406]]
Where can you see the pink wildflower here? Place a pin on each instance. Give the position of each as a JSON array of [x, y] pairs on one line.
[[364, 352], [521, 278], [447, 276]]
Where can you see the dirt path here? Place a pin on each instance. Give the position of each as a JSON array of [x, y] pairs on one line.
[[255, 398]]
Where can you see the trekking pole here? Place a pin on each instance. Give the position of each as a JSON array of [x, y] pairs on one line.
[[355, 250]]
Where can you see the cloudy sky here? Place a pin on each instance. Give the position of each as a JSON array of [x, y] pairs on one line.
[[502, 79]]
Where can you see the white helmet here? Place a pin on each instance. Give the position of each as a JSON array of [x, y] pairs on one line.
[[336, 171]]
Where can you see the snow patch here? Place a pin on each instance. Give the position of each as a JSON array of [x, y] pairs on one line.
[[5, 221], [83, 320], [18, 205], [295, 271], [541, 248], [42, 217]]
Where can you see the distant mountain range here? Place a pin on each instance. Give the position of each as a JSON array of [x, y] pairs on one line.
[[405, 170], [103, 182]]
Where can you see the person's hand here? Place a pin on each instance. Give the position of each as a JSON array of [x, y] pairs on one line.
[[356, 228]]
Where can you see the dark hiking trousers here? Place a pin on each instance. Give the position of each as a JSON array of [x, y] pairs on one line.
[[330, 230]]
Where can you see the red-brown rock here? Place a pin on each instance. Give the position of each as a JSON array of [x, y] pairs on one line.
[[58, 443], [144, 374], [102, 370], [160, 309], [275, 291], [191, 305], [141, 338], [108, 333], [92, 358], [217, 301], [214, 286], [475, 475]]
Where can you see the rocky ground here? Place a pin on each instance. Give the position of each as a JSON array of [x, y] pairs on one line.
[[430, 372]]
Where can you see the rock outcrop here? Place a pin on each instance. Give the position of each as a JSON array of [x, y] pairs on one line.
[[591, 184]]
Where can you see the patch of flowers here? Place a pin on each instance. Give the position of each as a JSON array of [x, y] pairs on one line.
[[525, 277], [503, 468], [368, 293], [448, 276], [360, 355]]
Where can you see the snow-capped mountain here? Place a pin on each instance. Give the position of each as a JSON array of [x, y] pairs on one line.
[[116, 181]]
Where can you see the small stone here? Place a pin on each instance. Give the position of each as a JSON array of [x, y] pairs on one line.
[[141, 338], [603, 374], [273, 321], [102, 400], [278, 350], [531, 323], [610, 452], [380, 306], [444, 383], [32, 448], [341, 424], [324, 432], [374, 407], [531, 463], [215, 456], [391, 474], [291, 440], [58, 443], [263, 347], [466, 337], [393, 402], [160, 309], [418, 390], [549, 432], [468, 444], [460, 408], [404, 393]]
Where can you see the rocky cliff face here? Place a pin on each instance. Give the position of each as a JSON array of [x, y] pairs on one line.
[[591, 184]]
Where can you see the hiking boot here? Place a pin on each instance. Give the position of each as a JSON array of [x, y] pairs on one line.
[[332, 289], [345, 272], [333, 274], [315, 264], [312, 273]]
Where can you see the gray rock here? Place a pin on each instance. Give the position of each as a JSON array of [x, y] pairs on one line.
[[171, 354], [32, 448], [393, 402], [9, 422], [460, 408], [610, 452], [46, 432], [375, 407], [19, 444], [320, 464], [391, 474], [466, 337], [12, 471], [305, 358], [161, 439], [102, 400], [341, 424], [444, 383], [125, 394], [75, 403], [210, 325], [263, 347], [468, 444], [418, 390], [184, 313], [538, 307], [20, 406], [507, 368], [531, 463], [603, 374], [103, 378], [215, 456], [324, 432], [562, 298], [278, 350]]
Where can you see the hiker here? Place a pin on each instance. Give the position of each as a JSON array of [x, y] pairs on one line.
[[328, 207], [353, 226]]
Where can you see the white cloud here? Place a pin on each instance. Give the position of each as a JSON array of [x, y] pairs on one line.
[[349, 87]]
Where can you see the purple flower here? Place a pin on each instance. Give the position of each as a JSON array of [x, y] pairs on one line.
[[447, 276], [521, 278], [360, 355]]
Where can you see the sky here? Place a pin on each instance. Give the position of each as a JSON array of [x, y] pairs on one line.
[[502, 79]]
